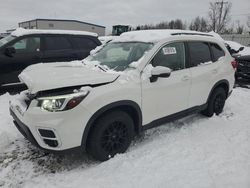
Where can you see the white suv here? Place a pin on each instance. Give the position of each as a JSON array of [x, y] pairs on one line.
[[139, 80]]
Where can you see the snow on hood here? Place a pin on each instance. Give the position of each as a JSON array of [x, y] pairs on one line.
[[48, 76]]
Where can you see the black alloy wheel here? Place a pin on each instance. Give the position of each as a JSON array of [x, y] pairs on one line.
[[111, 134]]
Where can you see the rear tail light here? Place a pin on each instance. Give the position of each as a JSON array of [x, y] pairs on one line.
[[234, 64]]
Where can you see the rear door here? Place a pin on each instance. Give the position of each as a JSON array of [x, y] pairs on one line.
[[58, 48], [204, 69], [27, 53], [83, 45]]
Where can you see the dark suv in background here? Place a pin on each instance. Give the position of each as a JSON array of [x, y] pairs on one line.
[[243, 62], [26, 47]]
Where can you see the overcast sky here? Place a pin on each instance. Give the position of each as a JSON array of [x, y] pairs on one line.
[[110, 12]]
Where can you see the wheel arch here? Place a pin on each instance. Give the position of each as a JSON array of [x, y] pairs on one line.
[[222, 83], [131, 107]]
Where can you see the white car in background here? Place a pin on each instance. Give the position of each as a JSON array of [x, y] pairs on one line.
[[139, 80]]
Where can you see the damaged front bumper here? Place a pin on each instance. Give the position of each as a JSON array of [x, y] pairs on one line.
[[50, 131]]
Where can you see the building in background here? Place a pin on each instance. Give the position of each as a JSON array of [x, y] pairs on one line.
[[63, 25]]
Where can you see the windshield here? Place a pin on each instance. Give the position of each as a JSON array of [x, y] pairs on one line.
[[5, 40], [119, 55]]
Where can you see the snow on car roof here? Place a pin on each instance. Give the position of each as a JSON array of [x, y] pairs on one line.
[[21, 32], [155, 35]]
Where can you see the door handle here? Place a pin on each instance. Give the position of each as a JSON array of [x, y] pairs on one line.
[[185, 78]]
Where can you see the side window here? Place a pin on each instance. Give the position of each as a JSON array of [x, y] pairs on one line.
[[84, 43], [199, 53], [171, 56], [217, 51], [30, 44], [57, 43]]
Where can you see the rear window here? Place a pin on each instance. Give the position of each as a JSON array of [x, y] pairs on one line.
[[217, 51], [57, 43], [199, 53], [84, 43]]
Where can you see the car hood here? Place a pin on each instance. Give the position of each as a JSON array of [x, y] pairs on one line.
[[43, 77]]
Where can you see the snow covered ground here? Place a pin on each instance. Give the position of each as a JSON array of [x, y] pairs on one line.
[[193, 152]]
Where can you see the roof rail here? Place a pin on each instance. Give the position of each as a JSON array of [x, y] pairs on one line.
[[201, 34]]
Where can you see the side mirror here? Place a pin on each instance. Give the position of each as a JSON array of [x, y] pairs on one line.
[[159, 71], [9, 51]]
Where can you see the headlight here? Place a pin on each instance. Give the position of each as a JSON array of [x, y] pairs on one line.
[[61, 103]]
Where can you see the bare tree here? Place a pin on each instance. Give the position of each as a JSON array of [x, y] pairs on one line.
[[229, 29], [219, 15], [199, 24], [173, 24], [239, 27]]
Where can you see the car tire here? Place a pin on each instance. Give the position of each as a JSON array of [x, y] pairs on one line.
[[112, 133], [216, 102]]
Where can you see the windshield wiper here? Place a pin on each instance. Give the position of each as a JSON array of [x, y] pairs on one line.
[[102, 68]]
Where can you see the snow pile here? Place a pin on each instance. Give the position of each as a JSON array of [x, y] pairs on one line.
[[8, 132], [21, 32]]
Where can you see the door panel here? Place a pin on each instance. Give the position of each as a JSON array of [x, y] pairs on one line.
[[205, 72], [169, 95], [59, 56], [27, 53], [203, 79], [166, 96]]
